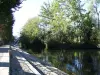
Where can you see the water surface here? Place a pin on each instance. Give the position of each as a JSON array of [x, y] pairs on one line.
[[74, 62]]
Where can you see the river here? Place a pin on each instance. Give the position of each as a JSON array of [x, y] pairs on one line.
[[74, 62]]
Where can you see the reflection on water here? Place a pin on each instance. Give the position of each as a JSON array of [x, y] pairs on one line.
[[75, 62]]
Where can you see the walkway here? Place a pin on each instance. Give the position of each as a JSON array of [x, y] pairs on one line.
[[4, 60], [20, 66], [19, 62], [30, 65]]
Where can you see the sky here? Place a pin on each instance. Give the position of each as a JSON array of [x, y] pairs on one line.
[[29, 9]]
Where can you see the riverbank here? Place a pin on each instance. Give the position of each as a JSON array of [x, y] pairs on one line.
[[72, 46]]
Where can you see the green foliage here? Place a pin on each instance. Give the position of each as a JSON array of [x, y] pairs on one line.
[[30, 35], [31, 29], [67, 21], [64, 22], [7, 7]]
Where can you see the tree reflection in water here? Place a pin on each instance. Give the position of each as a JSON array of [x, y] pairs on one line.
[[76, 62]]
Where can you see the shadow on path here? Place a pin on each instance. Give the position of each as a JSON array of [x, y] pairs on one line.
[[15, 67], [4, 50], [4, 64]]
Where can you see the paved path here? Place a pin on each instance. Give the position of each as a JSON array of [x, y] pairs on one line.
[[20, 66], [4, 60], [19, 62], [45, 68], [38, 65]]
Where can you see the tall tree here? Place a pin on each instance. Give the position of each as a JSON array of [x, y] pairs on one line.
[[31, 29], [62, 15], [6, 16]]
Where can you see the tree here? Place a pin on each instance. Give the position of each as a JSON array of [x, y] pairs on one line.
[[53, 16], [69, 17], [31, 29], [30, 35], [6, 16]]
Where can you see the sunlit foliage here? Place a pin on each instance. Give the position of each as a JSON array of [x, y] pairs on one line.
[[65, 22]]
